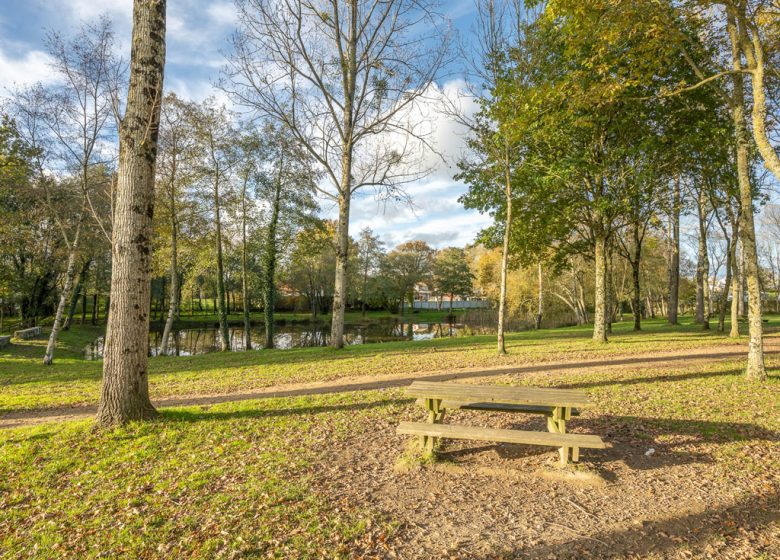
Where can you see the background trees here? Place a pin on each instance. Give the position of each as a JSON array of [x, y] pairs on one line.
[[342, 79]]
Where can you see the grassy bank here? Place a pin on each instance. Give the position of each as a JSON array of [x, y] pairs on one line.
[[257, 478], [26, 384]]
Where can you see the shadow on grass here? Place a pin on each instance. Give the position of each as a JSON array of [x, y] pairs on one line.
[[664, 538], [199, 416]]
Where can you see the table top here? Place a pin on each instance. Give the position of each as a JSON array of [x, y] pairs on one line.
[[462, 393]]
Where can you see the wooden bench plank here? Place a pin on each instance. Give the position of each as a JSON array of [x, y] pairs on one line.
[[506, 395], [502, 407], [505, 436], [32, 332]]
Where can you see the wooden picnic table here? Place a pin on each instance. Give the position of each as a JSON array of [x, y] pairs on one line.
[[558, 405]]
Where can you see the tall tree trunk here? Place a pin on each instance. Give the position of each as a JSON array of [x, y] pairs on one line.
[[755, 366], [636, 264], [77, 291], [244, 274], [723, 300], [600, 304], [70, 272], [540, 295], [340, 285], [350, 70], [173, 306], [610, 304], [703, 265], [124, 394], [269, 264], [501, 343], [224, 335], [674, 261], [83, 306]]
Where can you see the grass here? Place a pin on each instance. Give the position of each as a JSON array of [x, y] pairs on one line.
[[25, 384], [237, 480], [193, 484]]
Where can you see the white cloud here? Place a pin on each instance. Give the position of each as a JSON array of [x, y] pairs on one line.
[[33, 66]]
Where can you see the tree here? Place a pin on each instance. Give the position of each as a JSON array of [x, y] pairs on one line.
[[451, 273], [124, 394], [407, 265], [342, 79], [217, 139], [369, 257], [66, 124], [177, 151], [732, 53], [287, 190]]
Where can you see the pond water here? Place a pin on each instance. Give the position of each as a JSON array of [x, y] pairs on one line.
[[202, 340]]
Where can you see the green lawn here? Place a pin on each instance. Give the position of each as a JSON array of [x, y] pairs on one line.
[[25, 384], [245, 479]]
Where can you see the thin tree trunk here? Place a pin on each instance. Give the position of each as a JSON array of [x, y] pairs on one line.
[[83, 306], [342, 259], [224, 335], [726, 287], [540, 296], [501, 343], [703, 265], [124, 394], [76, 295], [674, 265], [70, 272], [244, 270], [174, 272], [271, 249], [755, 366], [600, 306]]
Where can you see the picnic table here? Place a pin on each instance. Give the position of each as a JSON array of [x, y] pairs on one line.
[[32, 332], [559, 405]]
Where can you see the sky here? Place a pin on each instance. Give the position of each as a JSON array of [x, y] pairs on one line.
[[197, 38]]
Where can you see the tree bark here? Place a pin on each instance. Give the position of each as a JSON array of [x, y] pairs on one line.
[[540, 301], [755, 366], [600, 304], [340, 285], [702, 265], [500, 339], [173, 306], [124, 394], [48, 358], [269, 264], [244, 271], [76, 295], [674, 264], [224, 335]]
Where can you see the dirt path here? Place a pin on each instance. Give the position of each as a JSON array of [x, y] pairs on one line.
[[374, 382]]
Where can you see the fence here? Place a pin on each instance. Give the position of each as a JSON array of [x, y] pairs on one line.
[[456, 304]]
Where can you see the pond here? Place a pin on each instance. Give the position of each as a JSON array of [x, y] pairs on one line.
[[202, 340]]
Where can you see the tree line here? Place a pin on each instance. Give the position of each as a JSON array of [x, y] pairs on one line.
[[601, 123]]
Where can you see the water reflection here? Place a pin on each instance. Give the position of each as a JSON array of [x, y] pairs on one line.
[[193, 341]]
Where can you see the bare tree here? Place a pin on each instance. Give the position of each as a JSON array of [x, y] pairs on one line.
[[124, 394], [66, 124], [343, 78], [174, 172]]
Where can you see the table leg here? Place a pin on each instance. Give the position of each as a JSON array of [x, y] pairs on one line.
[[435, 416], [556, 423]]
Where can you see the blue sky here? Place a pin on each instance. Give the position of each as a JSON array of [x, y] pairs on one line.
[[198, 32]]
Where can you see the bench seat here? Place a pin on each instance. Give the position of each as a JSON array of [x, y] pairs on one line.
[[451, 431], [24, 334]]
